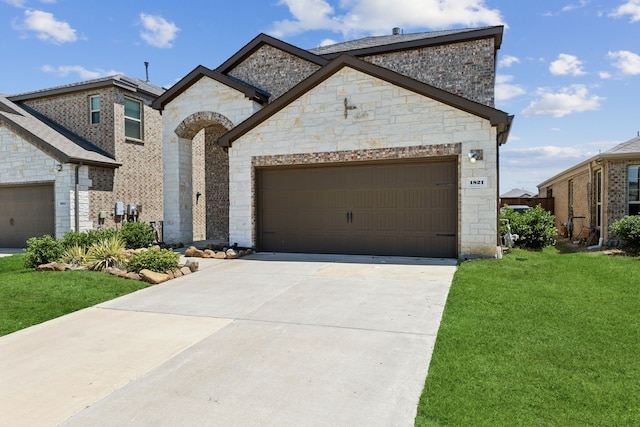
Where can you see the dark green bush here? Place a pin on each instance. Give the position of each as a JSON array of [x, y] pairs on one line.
[[158, 260], [137, 235], [86, 239], [535, 228], [42, 250], [628, 229]]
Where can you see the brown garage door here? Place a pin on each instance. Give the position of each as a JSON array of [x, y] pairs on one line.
[[25, 211], [405, 209]]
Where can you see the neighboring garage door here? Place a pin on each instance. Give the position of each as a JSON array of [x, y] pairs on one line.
[[403, 209], [25, 211]]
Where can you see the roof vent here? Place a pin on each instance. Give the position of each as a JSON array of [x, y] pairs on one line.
[[395, 31]]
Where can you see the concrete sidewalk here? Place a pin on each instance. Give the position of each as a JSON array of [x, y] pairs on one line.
[[269, 340]]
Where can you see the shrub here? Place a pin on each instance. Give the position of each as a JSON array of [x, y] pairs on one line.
[[42, 250], [87, 238], [158, 260], [628, 229], [535, 227], [106, 253], [137, 235], [75, 255]]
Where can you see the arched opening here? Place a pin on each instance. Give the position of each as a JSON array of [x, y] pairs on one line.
[[204, 176]]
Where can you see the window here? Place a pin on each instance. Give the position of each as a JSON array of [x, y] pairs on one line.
[[94, 110], [132, 119], [634, 191]]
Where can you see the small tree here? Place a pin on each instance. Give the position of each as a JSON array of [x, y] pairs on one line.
[[535, 228], [628, 229]]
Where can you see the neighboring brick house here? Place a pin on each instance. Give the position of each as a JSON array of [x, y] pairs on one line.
[[385, 146], [592, 195], [110, 118]]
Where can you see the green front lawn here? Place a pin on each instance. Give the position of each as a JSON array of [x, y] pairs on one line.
[[538, 339], [29, 297]]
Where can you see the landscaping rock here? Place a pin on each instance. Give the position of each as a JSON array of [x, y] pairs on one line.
[[193, 265], [53, 266], [113, 271], [190, 251], [220, 255], [153, 277], [185, 271], [208, 253], [177, 273], [231, 254], [132, 275], [170, 274]]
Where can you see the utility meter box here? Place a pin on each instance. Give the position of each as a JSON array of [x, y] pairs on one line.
[[119, 209], [102, 215], [132, 209], [139, 209]]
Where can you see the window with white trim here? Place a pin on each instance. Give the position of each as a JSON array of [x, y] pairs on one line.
[[634, 190], [94, 109], [132, 119]]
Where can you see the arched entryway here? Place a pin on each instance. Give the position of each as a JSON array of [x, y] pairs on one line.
[[203, 171]]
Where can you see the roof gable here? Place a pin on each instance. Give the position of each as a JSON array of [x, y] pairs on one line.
[[52, 138], [383, 44], [261, 40], [201, 71], [496, 117]]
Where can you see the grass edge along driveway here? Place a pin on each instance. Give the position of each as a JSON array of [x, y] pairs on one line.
[[538, 338], [29, 297]]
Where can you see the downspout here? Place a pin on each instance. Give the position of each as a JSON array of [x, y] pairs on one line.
[[77, 197]]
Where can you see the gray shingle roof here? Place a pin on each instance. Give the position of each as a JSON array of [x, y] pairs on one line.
[[130, 83], [375, 41], [629, 147], [51, 138]]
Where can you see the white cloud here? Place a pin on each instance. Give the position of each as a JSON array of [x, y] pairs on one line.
[[158, 32], [604, 75], [572, 6], [83, 73], [504, 90], [47, 28], [16, 3], [327, 42], [508, 61], [379, 17], [566, 65], [631, 7], [625, 61], [572, 99]]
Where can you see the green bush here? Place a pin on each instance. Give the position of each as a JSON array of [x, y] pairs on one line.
[[86, 239], [535, 228], [106, 253], [628, 229], [137, 235], [42, 250], [158, 260]]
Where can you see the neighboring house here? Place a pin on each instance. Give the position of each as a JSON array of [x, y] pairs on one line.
[[383, 146], [519, 193], [592, 195], [89, 145]]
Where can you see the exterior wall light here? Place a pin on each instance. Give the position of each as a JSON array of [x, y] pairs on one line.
[[475, 155]]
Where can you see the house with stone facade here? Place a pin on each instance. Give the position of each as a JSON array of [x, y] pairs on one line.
[[593, 194], [383, 146], [79, 157]]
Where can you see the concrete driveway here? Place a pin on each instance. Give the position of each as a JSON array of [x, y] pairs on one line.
[[266, 340]]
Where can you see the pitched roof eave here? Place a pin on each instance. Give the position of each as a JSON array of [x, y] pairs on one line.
[[495, 32], [196, 74], [261, 40], [495, 117]]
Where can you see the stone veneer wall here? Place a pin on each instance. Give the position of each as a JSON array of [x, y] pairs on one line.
[[466, 69], [23, 163], [616, 179], [389, 122], [139, 179], [273, 70]]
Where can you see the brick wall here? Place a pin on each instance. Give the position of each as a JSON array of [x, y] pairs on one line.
[[466, 69]]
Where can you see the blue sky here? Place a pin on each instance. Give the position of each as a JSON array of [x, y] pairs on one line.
[[569, 70]]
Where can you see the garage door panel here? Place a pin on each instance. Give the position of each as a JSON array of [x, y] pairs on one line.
[[384, 209], [25, 211]]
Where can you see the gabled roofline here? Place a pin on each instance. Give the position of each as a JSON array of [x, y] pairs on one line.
[[89, 85], [261, 40], [190, 79], [495, 32], [496, 117]]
